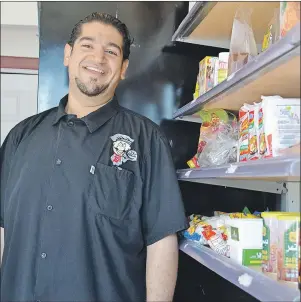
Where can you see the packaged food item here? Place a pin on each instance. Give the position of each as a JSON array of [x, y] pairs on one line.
[[273, 33], [197, 90], [206, 74], [242, 45], [252, 139], [216, 68], [216, 241], [270, 242], [261, 143], [245, 241], [218, 133], [289, 16], [243, 140], [288, 254], [281, 123], [222, 72]]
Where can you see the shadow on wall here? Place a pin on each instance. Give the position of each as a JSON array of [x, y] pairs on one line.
[[159, 79]]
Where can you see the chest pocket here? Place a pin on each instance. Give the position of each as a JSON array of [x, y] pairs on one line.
[[112, 191]]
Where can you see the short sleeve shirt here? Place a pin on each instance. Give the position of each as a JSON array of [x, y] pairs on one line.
[[81, 199]]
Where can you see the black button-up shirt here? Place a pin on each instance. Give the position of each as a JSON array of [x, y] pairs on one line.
[[81, 198]]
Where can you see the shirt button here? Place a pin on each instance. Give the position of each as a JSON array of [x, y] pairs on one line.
[[58, 162], [70, 124], [49, 208], [43, 255]]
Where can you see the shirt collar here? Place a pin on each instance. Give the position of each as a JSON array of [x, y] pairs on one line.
[[93, 120]]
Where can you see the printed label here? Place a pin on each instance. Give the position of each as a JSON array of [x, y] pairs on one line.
[[252, 257], [234, 233]]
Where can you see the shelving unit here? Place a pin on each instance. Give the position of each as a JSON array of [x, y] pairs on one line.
[[200, 26], [261, 287], [276, 71], [272, 169]]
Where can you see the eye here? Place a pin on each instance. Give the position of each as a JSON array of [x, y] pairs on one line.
[[111, 52], [86, 46]]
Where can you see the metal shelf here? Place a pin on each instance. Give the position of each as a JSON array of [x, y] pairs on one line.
[[284, 168], [275, 71], [200, 26], [261, 287]]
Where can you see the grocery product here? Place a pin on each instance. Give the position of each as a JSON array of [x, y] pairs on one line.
[[270, 242], [261, 143], [206, 74], [273, 32], [281, 123], [243, 140], [245, 240], [242, 45], [218, 139], [289, 16], [222, 72], [216, 241], [252, 129], [197, 90], [288, 253]]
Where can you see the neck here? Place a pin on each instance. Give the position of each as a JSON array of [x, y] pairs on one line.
[[81, 105]]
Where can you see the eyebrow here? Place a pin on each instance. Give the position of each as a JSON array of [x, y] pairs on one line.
[[112, 44]]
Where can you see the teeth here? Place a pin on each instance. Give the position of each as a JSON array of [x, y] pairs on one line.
[[95, 69]]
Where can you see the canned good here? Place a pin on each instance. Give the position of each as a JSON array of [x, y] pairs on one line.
[[288, 253]]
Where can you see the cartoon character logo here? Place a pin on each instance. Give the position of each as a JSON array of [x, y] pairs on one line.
[[122, 149]]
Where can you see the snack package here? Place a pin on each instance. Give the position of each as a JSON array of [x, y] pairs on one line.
[[197, 90], [216, 241], [206, 74], [261, 143], [242, 46], [281, 124], [222, 72], [243, 140], [289, 16], [218, 139], [273, 32], [252, 139]]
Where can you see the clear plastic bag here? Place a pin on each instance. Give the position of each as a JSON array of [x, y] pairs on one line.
[[221, 145], [243, 45]]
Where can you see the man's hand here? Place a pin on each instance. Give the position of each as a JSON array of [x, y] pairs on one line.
[[161, 269]]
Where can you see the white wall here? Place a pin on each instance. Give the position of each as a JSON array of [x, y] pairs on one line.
[[19, 41], [19, 29], [19, 13]]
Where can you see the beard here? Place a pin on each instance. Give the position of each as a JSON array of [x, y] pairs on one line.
[[93, 90]]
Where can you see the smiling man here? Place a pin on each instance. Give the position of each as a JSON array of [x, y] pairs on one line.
[[90, 202]]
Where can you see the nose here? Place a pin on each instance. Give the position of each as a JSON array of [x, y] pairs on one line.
[[99, 55]]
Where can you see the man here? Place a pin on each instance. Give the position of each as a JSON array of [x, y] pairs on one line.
[[90, 203]]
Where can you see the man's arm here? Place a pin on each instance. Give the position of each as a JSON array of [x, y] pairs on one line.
[[161, 269]]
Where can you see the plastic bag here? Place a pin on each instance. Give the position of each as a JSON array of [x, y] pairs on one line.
[[218, 139], [242, 46], [221, 146]]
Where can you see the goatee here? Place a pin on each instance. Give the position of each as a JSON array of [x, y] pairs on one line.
[[95, 90]]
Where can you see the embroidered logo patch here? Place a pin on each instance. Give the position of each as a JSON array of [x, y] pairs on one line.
[[122, 149]]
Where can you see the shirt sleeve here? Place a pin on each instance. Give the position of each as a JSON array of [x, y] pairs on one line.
[[163, 212], [7, 152]]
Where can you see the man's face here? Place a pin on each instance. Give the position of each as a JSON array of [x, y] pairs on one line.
[[96, 63]]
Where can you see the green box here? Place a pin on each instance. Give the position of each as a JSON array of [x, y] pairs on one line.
[[251, 257]]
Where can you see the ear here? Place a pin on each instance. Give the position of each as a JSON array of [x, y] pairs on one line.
[[67, 54], [125, 65]]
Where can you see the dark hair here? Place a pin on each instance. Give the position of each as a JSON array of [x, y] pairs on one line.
[[105, 19]]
